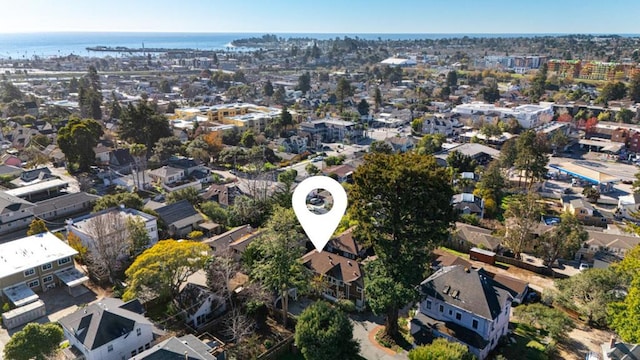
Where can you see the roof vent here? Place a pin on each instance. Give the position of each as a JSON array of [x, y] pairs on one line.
[[466, 269], [349, 262], [455, 294], [446, 289]]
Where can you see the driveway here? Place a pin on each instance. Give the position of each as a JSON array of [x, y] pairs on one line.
[[364, 327]]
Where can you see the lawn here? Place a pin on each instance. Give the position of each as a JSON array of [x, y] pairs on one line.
[[454, 252], [526, 346]]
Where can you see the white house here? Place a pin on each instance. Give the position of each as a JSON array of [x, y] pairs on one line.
[[85, 227], [199, 304], [108, 330], [441, 125], [464, 305], [528, 116], [628, 205]]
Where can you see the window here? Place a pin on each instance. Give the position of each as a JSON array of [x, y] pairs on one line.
[[110, 348], [63, 261], [140, 349], [47, 279], [358, 289], [138, 331], [33, 283], [474, 324], [441, 308], [147, 346], [46, 267], [133, 353], [458, 316], [29, 272], [450, 312], [429, 304]]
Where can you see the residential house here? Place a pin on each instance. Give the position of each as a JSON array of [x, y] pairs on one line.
[[120, 160], [480, 153], [64, 206], [191, 168], [235, 240], [11, 160], [331, 130], [108, 330], [173, 178], [10, 170], [438, 124], [447, 259], [342, 172], [345, 245], [467, 203], [42, 173], [628, 206], [584, 211], [463, 305], [467, 236], [294, 144], [343, 276], [185, 347], [616, 350], [15, 213], [199, 305], [604, 243], [519, 288], [223, 194], [36, 263], [401, 144], [181, 218]]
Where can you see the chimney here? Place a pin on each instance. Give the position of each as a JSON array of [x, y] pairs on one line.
[[466, 269], [612, 342]]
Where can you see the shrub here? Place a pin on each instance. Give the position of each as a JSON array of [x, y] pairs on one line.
[[347, 305]]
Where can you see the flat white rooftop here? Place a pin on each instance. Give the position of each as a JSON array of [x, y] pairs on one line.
[[31, 251]]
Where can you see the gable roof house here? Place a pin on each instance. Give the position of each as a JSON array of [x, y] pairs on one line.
[[223, 194], [463, 305], [180, 218], [199, 305], [343, 276], [120, 160], [600, 244], [584, 211], [400, 144], [468, 236], [345, 245], [185, 347], [466, 203], [235, 240], [15, 213], [344, 172], [108, 330]]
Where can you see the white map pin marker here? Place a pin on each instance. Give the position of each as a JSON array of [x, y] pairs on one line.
[[319, 227]]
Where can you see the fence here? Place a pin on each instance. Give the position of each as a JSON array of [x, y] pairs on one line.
[[531, 267], [278, 349]]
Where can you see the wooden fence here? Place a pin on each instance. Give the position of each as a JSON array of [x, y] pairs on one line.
[[531, 267]]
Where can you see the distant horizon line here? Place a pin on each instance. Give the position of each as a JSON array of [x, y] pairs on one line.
[[298, 33]]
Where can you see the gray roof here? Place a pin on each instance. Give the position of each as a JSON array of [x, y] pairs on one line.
[[477, 236], [179, 214], [186, 347], [476, 291], [62, 201], [473, 150], [10, 203], [101, 323], [165, 171]]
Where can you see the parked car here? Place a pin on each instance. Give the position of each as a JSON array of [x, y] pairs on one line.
[[583, 266]]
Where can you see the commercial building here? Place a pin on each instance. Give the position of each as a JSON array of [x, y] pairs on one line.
[[528, 116]]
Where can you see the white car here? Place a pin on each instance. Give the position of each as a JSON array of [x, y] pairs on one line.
[[583, 266]]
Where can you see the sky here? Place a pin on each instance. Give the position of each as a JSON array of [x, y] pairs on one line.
[[323, 16]]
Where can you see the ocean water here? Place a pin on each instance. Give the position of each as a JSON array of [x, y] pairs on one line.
[[28, 45]]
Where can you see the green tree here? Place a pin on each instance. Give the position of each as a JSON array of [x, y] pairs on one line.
[[37, 226], [215, 212], [531, 159], [402, 205], [538, 85], [279, 96], [165, 148], [9, 92], [281, 269], [286, 120], [282, 195], [164, 86], [377, 97], [190, 194], [490, 93], [559, 140], [441, 349], [613, 91], [142, 124], [591, 193], [129, 200], [344, 90], [34, 341], [634, 87], [304, 82], [90, 94], [461, 162], [563, 240], [522, 214], [380, 147], [267, 89], [138, 235], [624, 116], [416, 126], [160, 270], [325, 333], [77, 140], [590, 293], [311, 169], [363, 107], [452, 79], [430, 144], [555, 322], [248, 139], [335, 160], [624, 315]]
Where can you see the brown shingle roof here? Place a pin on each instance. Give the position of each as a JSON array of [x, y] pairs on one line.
[[336, 266]]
